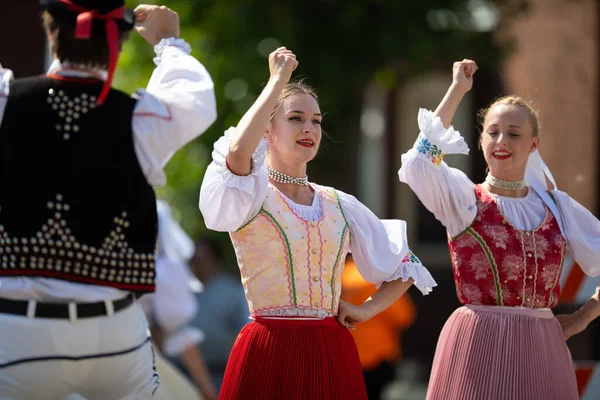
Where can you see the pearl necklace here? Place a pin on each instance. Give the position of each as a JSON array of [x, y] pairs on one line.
[[508, 185], [283, 178]]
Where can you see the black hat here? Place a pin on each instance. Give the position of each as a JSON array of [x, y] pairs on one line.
[[66, 9], [85, 13]]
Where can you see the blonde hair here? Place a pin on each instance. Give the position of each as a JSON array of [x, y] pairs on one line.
[[516, 101], [290, 90]]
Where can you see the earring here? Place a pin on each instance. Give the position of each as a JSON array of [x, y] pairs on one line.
[[270, 139]]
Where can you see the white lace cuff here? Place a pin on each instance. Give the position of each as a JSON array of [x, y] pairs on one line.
[[246, 182], [435, 141], [411, 267], [166, 42]]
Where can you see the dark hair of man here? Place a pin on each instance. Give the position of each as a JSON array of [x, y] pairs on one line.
[[92, 52]]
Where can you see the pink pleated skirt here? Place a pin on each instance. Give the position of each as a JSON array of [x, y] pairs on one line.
[[502, 353]]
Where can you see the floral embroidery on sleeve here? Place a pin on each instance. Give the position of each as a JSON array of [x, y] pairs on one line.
[[429, 150], [411, 258]]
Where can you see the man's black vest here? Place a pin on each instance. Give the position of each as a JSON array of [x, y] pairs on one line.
[[74, 202]]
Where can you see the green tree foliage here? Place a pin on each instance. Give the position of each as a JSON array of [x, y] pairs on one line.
[[341, 46]]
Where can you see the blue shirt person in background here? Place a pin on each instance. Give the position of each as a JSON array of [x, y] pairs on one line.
[[223, 309]]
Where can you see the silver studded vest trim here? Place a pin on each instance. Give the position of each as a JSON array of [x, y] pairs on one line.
[[55, 251], [75, 204], [69, 110]]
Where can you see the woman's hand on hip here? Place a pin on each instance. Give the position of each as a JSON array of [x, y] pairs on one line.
[[349, 315]]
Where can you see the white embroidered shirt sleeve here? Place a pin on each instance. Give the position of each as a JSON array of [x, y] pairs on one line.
[[227, 201], [437, 140], [582, 229], [177, 106], [447, 192], [380, 248]]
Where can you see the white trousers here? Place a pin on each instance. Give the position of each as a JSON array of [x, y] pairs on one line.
[[108, 358]]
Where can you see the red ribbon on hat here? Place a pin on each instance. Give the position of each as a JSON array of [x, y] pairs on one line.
[[83, 30]]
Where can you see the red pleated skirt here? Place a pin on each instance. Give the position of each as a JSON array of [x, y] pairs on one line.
[[290, 359], [502, 353]]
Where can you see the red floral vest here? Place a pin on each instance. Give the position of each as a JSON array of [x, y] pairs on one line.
[[495, 263]]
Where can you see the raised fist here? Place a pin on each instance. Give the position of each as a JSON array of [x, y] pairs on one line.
[[282, 62], [155, 23], [462, 74]]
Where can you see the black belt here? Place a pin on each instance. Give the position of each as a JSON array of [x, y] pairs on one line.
[[61, 310]]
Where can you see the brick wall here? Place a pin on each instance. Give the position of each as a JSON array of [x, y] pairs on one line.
[[556, 65]]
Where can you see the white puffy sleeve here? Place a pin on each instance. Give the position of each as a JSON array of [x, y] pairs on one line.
[[174, 305], [582, 229], [380, 248], [177, 106], [227, 200], [447, 192]]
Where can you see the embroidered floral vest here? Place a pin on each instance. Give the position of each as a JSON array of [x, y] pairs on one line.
[[288, 262], [496, 264]]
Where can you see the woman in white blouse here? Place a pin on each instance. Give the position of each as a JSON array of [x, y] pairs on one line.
[[507, 237], [291, 238]]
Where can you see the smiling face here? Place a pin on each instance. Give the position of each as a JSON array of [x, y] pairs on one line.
[[509, 136], [294, 133]]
